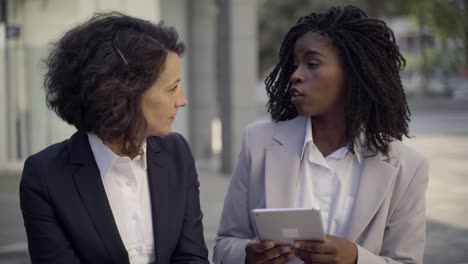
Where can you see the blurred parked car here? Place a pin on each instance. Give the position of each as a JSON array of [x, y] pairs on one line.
[[438, 83], [460, 89]]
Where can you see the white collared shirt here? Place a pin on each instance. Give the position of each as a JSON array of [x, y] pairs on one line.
[[126, 185], [328, 183]]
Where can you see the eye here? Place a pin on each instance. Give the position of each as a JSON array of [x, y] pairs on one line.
[[173, 89], [312, 65]]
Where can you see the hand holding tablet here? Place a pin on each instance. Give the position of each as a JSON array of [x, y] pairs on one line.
[[285, 225]]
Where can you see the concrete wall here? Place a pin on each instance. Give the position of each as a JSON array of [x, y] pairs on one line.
[[3, 99], [244, 55], [201, 20], [237, 73], [173, 13]]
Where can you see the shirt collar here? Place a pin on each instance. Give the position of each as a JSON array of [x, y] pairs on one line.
[[308, 136], [360, 146], [105, 158], [142, 155], [340, 153]]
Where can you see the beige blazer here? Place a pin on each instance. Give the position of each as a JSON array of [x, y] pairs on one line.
[[388, 221]]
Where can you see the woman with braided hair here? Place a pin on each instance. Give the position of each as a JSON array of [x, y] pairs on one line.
[[339, 114]]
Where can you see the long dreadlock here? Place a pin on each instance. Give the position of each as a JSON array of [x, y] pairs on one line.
[[375, 100]]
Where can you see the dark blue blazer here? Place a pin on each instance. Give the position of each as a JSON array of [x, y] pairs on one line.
[[68, 218]]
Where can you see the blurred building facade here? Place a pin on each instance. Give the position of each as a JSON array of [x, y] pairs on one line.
[[218, 70]]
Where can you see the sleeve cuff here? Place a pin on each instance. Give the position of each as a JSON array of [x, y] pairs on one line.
[[366, 257]]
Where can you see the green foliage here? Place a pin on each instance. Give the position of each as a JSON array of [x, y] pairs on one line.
[[446, 18], [443, 17], [439, 15], [276, 17]]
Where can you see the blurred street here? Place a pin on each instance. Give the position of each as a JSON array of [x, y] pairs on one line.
[[440, 130]]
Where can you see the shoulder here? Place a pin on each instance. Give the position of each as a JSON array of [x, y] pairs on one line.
[[267, 125], [259, 134], [265, 130], [74, 149], [407, 156], [46, 163], [51, 155], [261, 125], [412, 168]]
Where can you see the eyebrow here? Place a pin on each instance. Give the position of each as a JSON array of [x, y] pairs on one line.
[[177, 81], [313, 53]]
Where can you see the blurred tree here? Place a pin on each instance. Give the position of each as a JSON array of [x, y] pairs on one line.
[[447, 19], [275, 18]]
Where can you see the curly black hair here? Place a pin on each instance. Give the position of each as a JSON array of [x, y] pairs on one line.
[[98, 71], [375, 99]]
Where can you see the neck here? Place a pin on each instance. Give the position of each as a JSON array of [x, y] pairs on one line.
[[329, 133]]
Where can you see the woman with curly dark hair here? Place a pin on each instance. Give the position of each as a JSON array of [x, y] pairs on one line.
[[339, 114], [123, 188]]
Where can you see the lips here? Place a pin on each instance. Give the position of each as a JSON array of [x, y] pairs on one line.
[[296, 96]]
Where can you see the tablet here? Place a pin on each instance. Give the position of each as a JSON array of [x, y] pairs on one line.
[[284, 225]]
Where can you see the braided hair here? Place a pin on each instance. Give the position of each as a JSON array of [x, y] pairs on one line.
[[375, 100]]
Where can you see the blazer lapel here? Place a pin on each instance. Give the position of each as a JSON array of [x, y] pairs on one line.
[[90, 186], [158, 180], [282, 163], [377, 176], [281, 174]]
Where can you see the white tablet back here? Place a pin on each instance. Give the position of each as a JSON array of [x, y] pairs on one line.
[[284, 225]]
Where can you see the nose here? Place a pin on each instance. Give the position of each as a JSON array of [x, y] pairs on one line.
[[181, 100], [297, 76]]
